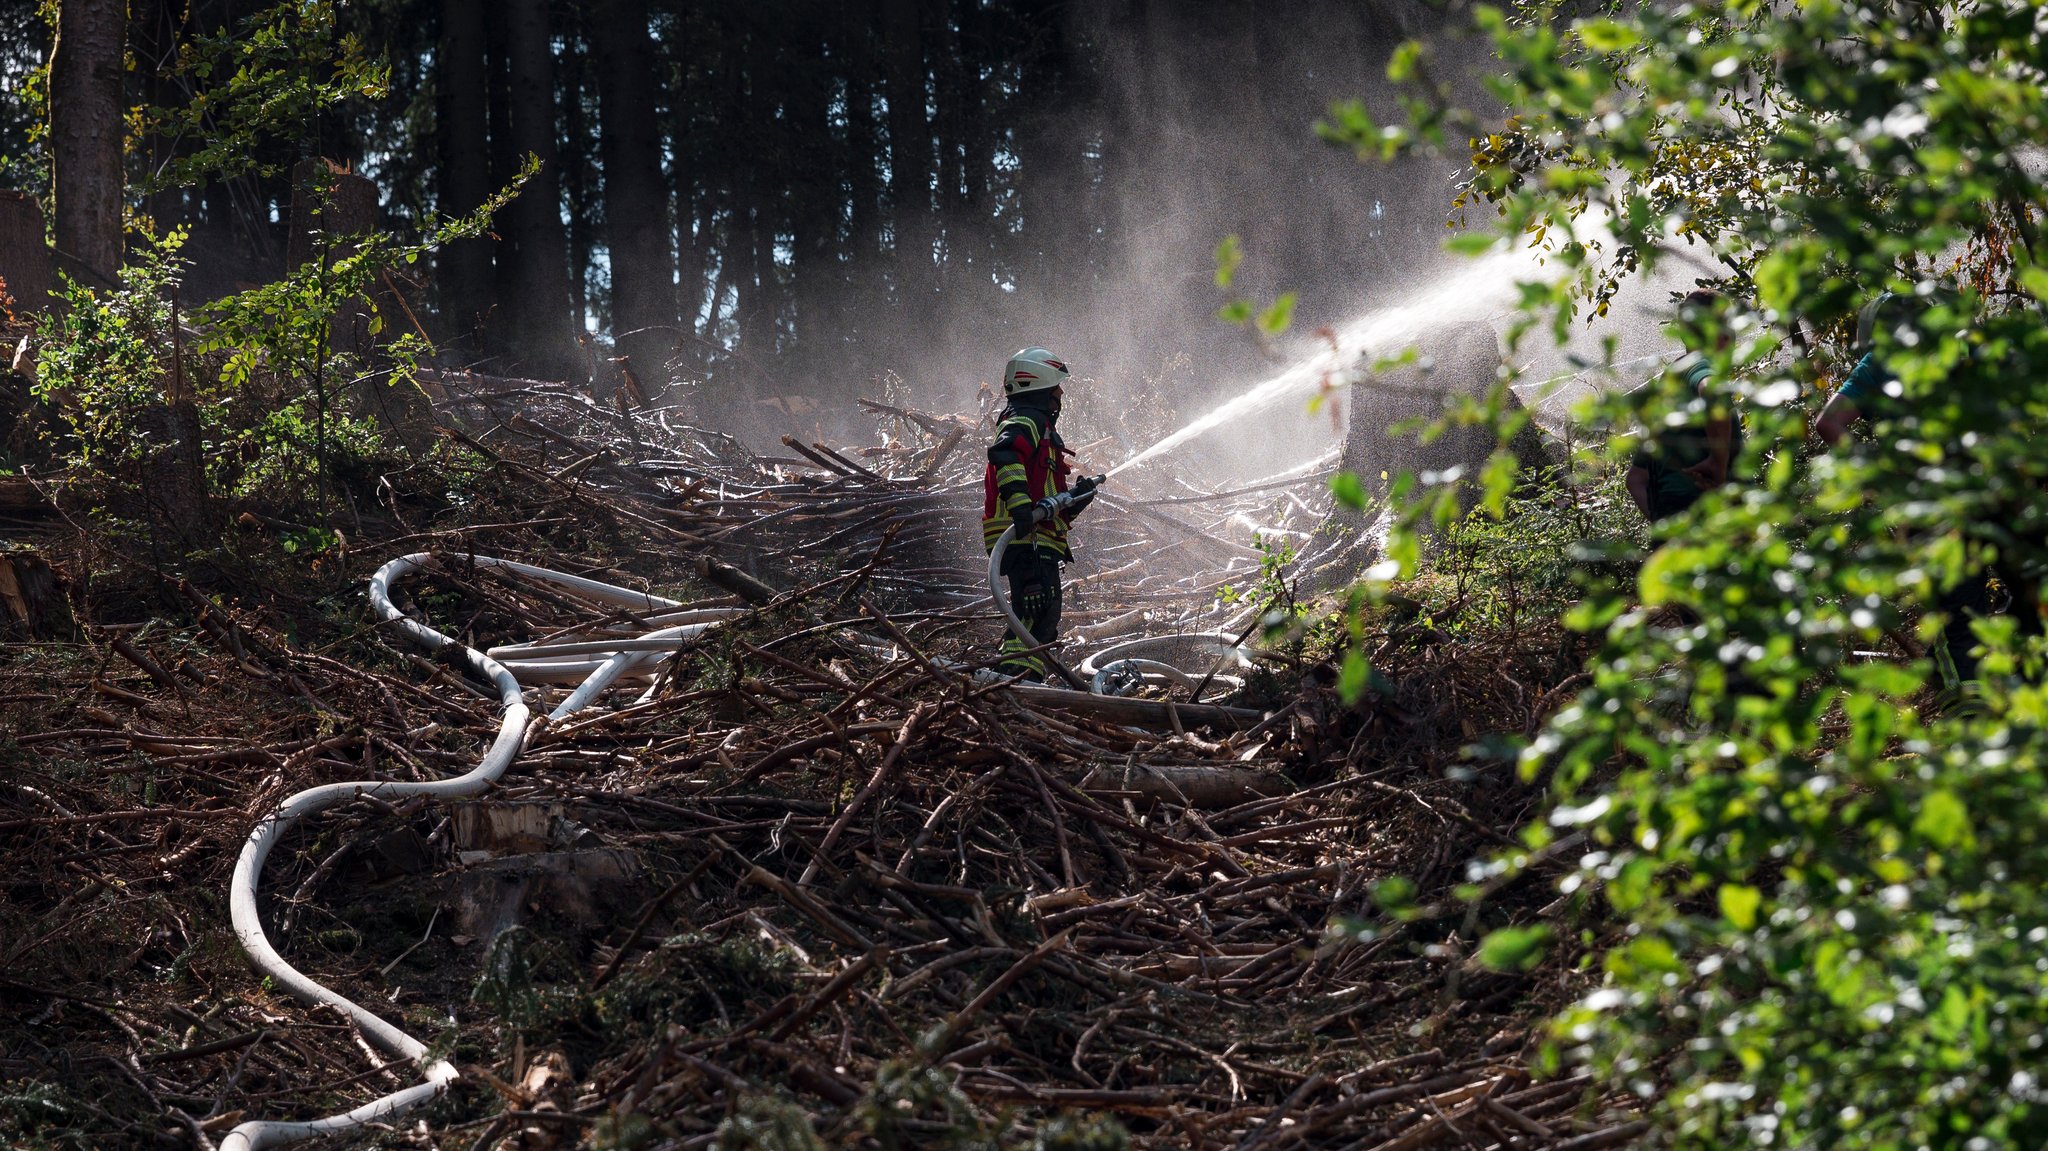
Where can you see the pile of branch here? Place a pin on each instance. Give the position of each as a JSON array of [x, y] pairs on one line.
[[1156, 558], [815, 875]]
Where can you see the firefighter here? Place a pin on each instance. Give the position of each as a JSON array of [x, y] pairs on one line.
[[1028, 465], [2007, 585], [1679, 463]]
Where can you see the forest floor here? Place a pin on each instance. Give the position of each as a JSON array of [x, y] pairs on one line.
[[815, 884]]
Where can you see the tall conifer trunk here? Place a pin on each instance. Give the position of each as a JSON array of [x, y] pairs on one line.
[[462, 138], [636, 202], [910, 153], [86, 128], [533, 281]]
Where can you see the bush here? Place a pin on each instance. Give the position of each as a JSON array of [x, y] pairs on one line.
[[1833, 916]]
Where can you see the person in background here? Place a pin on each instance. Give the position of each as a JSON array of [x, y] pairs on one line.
[[1865, 389], [1679, 463], [1871, 393], [1028, 465]]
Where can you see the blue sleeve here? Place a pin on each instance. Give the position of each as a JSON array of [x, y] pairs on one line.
[[1865, 385]]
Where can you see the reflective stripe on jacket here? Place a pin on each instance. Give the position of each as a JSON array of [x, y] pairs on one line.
[[1026, 463]]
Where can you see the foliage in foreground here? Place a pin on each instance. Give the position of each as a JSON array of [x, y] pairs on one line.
[[275, 372], [1835, 921]]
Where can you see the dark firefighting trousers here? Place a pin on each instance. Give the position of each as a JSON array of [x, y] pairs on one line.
[[1034, 579]]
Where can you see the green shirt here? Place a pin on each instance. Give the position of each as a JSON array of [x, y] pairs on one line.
[[1671, 449]]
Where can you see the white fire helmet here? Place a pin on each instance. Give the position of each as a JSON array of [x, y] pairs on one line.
[[1033, 370]]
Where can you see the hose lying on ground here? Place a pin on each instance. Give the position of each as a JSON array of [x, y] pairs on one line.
[[622, 657], [594, 664], [1120, 668]]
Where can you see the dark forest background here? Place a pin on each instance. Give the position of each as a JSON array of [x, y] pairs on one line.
[[796, 199]]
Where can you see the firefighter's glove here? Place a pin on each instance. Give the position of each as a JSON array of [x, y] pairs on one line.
[[1083, 493], [1022, 513], [1032, 605]]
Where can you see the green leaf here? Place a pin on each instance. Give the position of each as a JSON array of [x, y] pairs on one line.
[[1237, 312], [1349, 491], [1229, 255], [1943, 820], [1394, 893], [1739, 905], [1471, 243], [2034, 279], [1608, 35], [1275, 319], [1401, 65], [1498, 482], [1352, 676], [1777, 281], [1514, 948]]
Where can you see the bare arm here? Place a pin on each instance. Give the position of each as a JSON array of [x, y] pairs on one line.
[[1712, 472], [1836, 418], [1639, 488]]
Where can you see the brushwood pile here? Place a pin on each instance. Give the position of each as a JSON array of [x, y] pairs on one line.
[[815, 884]]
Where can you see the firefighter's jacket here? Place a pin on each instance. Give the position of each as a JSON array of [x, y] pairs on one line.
[[1027, 462]]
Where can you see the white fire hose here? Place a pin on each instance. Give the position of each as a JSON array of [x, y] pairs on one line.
[[594, 664], [616, 658], [1122, 668]]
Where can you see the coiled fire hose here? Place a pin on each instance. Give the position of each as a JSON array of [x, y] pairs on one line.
[[593, 664], [1123, 668], [607, 660], [1017, 628]]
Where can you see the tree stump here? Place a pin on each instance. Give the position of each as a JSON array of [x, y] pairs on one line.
[[25, 264], [171, 490], [345, 210], [1458, 361], [329, 207], [32, 603]]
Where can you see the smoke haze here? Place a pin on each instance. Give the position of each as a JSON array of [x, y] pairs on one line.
[[1183, 124]]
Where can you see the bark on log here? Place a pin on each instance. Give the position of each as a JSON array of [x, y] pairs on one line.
[[1138, 712], [1198, 784]]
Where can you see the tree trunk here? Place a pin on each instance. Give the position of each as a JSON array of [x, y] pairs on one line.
[[86, 128], [636, 201], [461, 92], [693, 236], [758, 294], [910, 155], [329, 206], [24, 254], [534, 270], [812, 190], [581, 181], [863, 143]]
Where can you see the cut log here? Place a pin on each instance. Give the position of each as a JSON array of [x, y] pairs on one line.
[[1201, 785], [1150, 713], [587, 888], [18, 497]]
